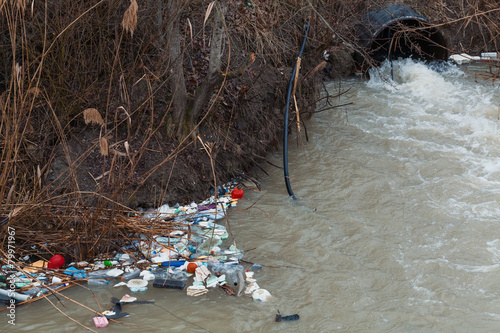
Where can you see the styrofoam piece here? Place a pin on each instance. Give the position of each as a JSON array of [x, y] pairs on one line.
[[196, 290], [137, 283], [114, 272], [202, 273], [212, 282], [463, 58], [261, 295], [252, 287]]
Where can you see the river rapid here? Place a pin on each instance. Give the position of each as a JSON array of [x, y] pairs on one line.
[[395, 227]]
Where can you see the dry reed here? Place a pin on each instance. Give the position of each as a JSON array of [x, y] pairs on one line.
[[129, 21], [92, 116]]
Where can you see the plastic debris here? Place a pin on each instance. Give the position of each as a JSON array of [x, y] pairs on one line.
[[170, 284], [117, 311], [132, 273], [202, 273], [37, 266], [76, 273], [56, 280], [249, 277], [489, 55], [464, 58], [101, 321], [261, 295], [14, 295], [196, 290], [212, 281], [280, 317], [96, 282], [147, 276], [127, 299], [114, 272], [137, 285], [193, 252], [237, 193], [251, 288], [57, 261], [191, 267]]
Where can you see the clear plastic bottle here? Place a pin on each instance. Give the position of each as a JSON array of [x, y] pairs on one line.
[[96, 282], [132, 274], [97, 274], [234, 274]]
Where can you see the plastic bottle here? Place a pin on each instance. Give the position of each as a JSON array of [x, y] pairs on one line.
[[215, 267], [98, 274], [35, 291], [132, 274], [234, 274], [96, 282]]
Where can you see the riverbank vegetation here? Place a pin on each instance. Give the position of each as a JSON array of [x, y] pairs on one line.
[[110, 106]]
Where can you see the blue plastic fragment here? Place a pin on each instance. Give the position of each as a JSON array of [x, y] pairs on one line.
[[172, 263], [76, 273]]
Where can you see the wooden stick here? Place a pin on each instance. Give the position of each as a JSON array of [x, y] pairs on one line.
[[297, 113]]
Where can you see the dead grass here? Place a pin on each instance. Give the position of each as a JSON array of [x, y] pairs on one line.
[[129, 21]]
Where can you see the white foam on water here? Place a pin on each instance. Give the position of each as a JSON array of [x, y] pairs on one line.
[[440, 130], [480, 268], [435, 113]]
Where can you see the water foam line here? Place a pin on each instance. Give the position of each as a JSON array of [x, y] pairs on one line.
[[285, 129]]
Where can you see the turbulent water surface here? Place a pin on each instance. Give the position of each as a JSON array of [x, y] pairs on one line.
[[396, 226]]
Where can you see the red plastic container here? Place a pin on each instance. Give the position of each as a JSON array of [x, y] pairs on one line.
[[237, 193], [56, 262]]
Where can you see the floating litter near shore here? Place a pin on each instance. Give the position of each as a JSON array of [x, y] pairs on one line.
[[127, 299], [193, 249], [261, 295], [101, 321], [251, 288], [196, 290], [137, 285], [114, 272]]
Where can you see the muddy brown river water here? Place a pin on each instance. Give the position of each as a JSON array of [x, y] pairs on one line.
[[396, 227]]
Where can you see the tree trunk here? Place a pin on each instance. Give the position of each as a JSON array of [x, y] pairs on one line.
[[213, 77], [177, 83]]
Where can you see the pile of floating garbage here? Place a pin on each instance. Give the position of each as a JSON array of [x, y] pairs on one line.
[[195, 256]]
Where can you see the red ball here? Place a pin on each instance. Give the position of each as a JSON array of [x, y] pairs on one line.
[[191, 267], [56, 262], [237, 193]]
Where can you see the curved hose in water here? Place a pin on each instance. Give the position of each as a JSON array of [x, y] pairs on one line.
[[285, 129]]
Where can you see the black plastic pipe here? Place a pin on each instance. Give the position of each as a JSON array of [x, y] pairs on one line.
[[285, 129]]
